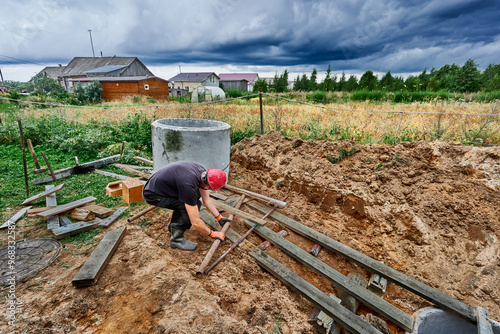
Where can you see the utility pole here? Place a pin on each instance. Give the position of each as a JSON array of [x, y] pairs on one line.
[[91, 43], [1, 75]]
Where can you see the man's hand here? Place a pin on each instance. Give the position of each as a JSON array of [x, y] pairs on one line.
[[222, 220], [217, 235]]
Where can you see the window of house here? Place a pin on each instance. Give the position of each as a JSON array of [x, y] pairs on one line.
[[146, 87]]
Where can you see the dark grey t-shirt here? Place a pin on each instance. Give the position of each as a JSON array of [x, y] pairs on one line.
[[180, 180]]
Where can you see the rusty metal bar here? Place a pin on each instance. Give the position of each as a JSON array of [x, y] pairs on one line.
[[315, 249], [217, 242], [141, 213], [24, 157], [267, 243]]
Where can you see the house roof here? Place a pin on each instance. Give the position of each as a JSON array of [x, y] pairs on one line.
[[80, 65], [114, 79], [106, 69], [195, 76], [53, 71], [250, 77]]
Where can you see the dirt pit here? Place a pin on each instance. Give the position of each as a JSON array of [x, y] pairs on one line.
[[429, 210]]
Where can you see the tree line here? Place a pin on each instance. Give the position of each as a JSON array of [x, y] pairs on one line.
[[451, 78]]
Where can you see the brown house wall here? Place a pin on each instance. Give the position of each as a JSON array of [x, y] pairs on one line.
[[158, 89]]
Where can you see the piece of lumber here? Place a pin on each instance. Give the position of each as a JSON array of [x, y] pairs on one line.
[[349, 320], [368, 298], [67, 172], [43, 194], [75, 228], [25, 168], [33, 212], [82, 214], [52, 175], [38, 169], [217, 195], [147, 161], [217, 242], [109, 174], [133, 171], [67, 207], [51, 201], [239, 213], [99, 210], [231, 234], [141, 213], [255, 195], [483, 324], [64, 220], [437, 297], [15, 217], [92, 269], [111, 219]]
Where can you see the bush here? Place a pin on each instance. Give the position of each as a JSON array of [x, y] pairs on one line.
[[372, 95], [90, 93], [317, 96]]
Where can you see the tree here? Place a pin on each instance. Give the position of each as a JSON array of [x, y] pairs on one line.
[[280, 83], [490, 78], [469, 77], [90, 93], [342, 82], [329, 82], [368, 81], [351, 84], [43, 84], [262, 83], [387, 82], [312, 80]]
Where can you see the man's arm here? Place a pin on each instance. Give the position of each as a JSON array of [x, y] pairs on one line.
[[194, 217], [209, 204]]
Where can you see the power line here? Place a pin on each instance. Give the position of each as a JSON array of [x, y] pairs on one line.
[[22, 60]]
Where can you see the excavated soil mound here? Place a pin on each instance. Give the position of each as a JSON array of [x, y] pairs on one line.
[[429, 210]]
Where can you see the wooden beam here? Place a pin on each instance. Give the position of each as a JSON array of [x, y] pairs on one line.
[[67, 172], [239, 213], [133, 171], [15, 218], [483, 324], [75, 228], [111, 219], [437, 297], [217, 195], [109, 174], [368, 298], [99, 210], [43, 194], [347, 319], [64, 221], [94, 266], [51, 201], [67, 207], [143, 160], [255, 195]]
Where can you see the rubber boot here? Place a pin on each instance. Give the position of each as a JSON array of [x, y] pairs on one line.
[[177, 240]]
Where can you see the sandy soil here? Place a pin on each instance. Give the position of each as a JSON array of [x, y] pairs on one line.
[[429, 210]]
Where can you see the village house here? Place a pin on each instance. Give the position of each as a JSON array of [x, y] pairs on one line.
[[239, 81], [191, 81]]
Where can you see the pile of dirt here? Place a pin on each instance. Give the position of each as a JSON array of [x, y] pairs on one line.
[[429, 210]]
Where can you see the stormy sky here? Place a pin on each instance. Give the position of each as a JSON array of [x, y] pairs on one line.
[[251, 36]]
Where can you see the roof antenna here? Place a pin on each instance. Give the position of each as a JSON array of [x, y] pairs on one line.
[[180, 68], [91, 43]]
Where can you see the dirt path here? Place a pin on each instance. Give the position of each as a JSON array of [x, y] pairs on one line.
[[430, 210]]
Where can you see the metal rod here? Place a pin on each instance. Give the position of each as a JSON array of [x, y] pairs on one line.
[[267, 243], [141, 213], [48, 165], [237, 242], [261, 112], [255, 195], [217, 242], [24, 157], [315, 249]]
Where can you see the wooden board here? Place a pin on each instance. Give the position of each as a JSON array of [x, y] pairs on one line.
[[75, 228], [67, 207], [67, 172], [94, 266], [437, 297], [239, 213], [143, 160], [133, 171], [368, 298], [116, 176], [51, 201], [64, 220], [15, 218], [99, 210], [43, 194], [109, 220], [347, 319], [82, 214], [217, 195], [255, 195]]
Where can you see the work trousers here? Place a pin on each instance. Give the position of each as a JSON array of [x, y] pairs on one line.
[[180, 217]]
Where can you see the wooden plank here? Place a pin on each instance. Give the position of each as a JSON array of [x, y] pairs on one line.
[[75, 228], [217, 195], [239, 213], [82, 214], [64, 220], [347, 319], [67, 207], [109, 174], [99, 210], [67, 172], [51, 201], [437, 297], [15, 218], [483, 324], [92, 269], [255, 195], [209, 219], [109, 220], [368, 298], [133, 171], [143, 160]]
